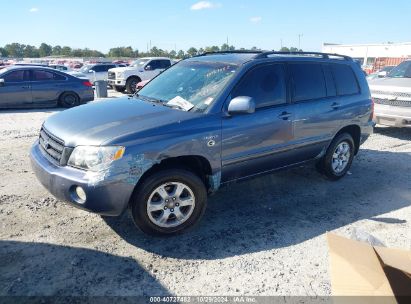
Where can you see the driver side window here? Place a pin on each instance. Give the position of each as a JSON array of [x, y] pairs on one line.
[[265, 84]]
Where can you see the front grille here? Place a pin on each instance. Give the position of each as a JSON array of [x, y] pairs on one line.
[[52, 146], [392, 102], [395, 94], [111, 75]]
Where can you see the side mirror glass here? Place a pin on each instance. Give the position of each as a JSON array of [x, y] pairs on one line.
[[241, 105], [148, 68], [91, 71], [2, 82]]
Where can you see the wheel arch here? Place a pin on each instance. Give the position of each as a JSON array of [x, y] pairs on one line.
[[65, 92], [355, 132], [197, 164]]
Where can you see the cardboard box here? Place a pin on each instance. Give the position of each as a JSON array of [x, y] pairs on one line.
[[368, 274]]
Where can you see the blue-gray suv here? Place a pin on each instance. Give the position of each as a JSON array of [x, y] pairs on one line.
[[203, 123]]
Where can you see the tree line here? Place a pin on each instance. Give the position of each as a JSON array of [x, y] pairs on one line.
[[17, 50]]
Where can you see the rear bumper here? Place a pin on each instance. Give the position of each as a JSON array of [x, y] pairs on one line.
[[104, 197], [392, 115]]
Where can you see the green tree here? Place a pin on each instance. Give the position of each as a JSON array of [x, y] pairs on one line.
[[66, 51], [284, 49], [56, 51], [3, 52], [45, 50], [181, 54], [31, 51], [15, 50], [192, 51]]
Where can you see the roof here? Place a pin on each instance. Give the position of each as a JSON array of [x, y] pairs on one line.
[[20, 67], [241, 57]]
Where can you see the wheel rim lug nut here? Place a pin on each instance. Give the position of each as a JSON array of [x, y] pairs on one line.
[[172, 210], [174, 198], [165, 208], [177, 204]]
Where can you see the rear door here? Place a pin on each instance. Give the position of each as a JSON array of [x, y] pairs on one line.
[[318, 107], [261, 141], [16, 90], [47, 86]]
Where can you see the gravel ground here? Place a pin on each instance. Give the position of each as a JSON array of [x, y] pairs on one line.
[[261, 237]]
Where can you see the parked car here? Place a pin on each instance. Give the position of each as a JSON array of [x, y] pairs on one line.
[[381, 73], [93, 72], [392, 97], [127, 78], [203, 123], [35, 86], [60, 67]]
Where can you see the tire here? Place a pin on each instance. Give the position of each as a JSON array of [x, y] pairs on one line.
[[338, 158], [165, 211], [119, 89], [69, 100], [131, 84]]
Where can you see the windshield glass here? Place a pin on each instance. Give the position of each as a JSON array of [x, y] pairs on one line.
[[190, 85], [403, 70], [85, 69], [139, 63]]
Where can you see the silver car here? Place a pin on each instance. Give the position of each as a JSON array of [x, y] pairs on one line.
[[392, 97]]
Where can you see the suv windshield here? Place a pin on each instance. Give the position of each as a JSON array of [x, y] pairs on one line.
[[139, 63], [403, 70], [190, 85]]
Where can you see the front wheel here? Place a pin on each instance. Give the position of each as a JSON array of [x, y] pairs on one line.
[[131, 85], [119, 89], [338, 158], [169, 202]]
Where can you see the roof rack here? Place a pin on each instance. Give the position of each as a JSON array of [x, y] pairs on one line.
[[318, 54], [230, 52]]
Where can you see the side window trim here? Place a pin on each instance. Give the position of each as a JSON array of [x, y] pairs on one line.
[[285, 70]]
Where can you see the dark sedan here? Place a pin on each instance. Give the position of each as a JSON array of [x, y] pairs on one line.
[[35, 86]]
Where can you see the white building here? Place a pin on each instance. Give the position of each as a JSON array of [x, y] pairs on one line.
[[368, 53]]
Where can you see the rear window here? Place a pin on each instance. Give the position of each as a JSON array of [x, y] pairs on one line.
[[345, 79], [308, 81]]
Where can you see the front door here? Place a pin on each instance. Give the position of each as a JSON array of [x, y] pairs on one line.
[[15, 91], [261, 141]]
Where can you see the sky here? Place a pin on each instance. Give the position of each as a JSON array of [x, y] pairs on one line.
[[180, 24]]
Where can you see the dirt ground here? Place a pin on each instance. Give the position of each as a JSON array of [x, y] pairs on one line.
[[261, 237]]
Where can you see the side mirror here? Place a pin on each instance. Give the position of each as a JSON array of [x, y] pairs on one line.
[[148, 68], [90, 71], [241, 105], [382, 74], [2, 82]]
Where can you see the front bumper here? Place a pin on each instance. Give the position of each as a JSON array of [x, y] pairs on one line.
[[104, 197], [393, 116], [117, 82]]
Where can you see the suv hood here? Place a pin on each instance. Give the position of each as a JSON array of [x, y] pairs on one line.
[[98, 123], [390, 84]]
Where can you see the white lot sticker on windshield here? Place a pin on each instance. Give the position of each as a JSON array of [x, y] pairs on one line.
[[181, 102]]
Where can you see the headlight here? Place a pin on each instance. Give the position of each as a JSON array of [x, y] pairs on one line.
[[119, 75], [95, 158]]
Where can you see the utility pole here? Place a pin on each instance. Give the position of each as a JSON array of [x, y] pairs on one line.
[[299, 41], [281, 43]]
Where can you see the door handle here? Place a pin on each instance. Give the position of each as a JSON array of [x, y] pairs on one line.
[[25, 87], [284, 115], [335, 105]]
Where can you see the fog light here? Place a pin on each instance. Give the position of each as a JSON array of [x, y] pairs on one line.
[[81, 194]]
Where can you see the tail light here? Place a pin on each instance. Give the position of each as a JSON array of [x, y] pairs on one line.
[[87, 83]]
